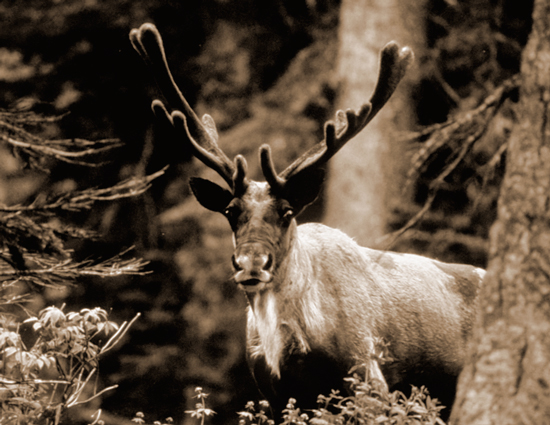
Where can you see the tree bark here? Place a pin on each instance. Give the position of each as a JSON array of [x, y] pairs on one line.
[[507, 378], [365, 174]]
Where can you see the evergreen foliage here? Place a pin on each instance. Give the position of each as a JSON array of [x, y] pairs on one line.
[[49, 361]]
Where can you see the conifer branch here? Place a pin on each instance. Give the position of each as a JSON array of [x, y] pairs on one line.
[[459, 134], [465, 128], [52, 272], [84, 199], [32, 149]]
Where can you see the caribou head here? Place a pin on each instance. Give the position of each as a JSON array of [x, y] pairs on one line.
[[261, 214]]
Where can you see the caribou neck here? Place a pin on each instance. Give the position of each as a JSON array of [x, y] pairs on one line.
[[289, 276], [281, 317]]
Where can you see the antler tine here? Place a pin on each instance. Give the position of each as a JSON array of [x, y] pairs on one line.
[[202, 134], [148, 43], [219, 163], [393, 65], [240, 181], [268, 168]]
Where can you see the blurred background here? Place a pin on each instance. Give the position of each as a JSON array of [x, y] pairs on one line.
[[268, 72]]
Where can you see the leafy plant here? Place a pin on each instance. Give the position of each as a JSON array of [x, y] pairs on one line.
[[49, 362], [40, 382], [139, 419], [370, 403], [201, 411], [251, 416]]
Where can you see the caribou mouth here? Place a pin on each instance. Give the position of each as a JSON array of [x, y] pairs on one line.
[[252, 277], [252, 286], [251, 282]]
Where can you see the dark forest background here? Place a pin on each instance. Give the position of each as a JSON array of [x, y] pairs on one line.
[[263, 70]]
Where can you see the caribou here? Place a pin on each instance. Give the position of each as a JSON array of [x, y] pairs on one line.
[[318, 303]]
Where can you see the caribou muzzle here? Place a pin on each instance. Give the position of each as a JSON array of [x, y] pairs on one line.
[[253, 264]]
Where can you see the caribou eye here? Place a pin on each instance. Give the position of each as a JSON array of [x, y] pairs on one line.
[[232, 213], [285, 210], [287, 214]]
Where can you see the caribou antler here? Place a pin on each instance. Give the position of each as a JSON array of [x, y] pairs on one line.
[[393, 65], [202, 134]]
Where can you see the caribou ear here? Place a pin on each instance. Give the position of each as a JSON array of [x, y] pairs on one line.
[[303, 188], [210, 195]]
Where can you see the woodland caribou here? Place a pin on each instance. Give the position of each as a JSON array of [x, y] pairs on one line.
[[317, 300]]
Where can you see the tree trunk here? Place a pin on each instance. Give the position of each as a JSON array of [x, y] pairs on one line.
[[365, 174], [507, 379]]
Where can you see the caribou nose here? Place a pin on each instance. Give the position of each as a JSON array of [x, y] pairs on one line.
[[252, 263]]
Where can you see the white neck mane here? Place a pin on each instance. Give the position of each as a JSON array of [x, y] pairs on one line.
[[278, 319]]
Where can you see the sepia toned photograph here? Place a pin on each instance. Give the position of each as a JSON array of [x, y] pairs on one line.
[[274, 212]]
